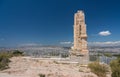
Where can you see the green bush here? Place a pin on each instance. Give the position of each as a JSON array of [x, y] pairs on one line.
[[4, 60], [17, 53], [117, 55], [108, 54], [64, 55], [41, 75], [99, 69], [93, 58], [115, 67], [3, 66]]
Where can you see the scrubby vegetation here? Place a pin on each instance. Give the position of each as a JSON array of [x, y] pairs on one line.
[[17, 53], [107, 54], [41, 75], [93, 58], [5, 58], [64, 55], [117, 55], [99, 69], [115, 67]]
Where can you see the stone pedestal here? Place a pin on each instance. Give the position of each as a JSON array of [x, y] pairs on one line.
[[80, 57]]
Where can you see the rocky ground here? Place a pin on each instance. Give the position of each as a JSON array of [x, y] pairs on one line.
[[30, 67]]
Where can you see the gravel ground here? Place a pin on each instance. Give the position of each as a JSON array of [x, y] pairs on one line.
[[30, 67]]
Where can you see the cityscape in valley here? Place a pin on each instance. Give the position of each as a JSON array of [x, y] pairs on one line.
[[59, 38]]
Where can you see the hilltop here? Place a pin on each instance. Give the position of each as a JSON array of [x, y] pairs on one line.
[[33, 67]]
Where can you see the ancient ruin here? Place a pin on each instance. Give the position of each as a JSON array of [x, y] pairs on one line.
[[79, 51]]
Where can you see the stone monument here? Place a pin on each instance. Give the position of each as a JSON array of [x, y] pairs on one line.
[[79, 51]]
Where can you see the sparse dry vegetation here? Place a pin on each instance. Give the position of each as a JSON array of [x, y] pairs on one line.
[[115, 67], [55, 62], [4, 58], [99, 69], [41, 75], [88, 76]]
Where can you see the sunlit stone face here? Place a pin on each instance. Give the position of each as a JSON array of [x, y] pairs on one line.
[[80, 36]]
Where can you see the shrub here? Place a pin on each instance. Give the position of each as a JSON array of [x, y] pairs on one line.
[[17, 53], [115, 67], [3, 66], [108, 54], [55, 62], [4, 60], [81, 70], [64, 55], [41, 75], [93, 58], [99, 69]]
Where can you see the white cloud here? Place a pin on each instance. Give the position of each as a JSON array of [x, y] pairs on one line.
[[107, 43], [68, 42], [104, 33]]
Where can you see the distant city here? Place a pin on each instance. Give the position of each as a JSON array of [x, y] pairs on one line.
[[60, 49]]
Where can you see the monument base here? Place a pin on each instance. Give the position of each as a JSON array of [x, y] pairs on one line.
[[80, 57]]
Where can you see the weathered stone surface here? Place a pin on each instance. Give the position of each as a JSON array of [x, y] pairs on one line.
[[79, 51], [80, 36]]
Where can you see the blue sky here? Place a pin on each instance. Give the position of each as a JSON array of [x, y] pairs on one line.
[[50, 22]]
